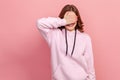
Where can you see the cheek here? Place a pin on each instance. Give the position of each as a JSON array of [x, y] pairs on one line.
[[75, 18], [74, 25]]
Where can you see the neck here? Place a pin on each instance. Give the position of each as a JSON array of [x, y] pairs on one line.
[[70, 30]]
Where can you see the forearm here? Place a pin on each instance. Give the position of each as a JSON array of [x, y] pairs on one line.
[[45, 24]]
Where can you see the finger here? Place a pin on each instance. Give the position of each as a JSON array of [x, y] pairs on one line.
[[66, 14]]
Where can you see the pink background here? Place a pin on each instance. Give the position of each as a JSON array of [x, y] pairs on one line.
[[24, 55]]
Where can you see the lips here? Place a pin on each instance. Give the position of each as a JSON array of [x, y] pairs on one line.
[[70, 25]]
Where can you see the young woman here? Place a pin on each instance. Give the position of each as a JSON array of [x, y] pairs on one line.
[[71, 48]]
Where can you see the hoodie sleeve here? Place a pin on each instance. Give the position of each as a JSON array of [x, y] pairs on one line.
[[89, 59], [47, 25]]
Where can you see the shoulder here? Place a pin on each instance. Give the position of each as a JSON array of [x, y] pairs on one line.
[[84, 35]]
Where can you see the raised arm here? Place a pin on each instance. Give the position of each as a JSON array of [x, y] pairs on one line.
[[46, 25]]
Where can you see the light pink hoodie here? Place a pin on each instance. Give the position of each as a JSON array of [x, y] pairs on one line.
[[79, 66]]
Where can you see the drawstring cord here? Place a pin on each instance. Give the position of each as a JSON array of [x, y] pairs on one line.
[[67, 42]]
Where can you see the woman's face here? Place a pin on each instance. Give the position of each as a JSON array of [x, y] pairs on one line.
[[72, 15]]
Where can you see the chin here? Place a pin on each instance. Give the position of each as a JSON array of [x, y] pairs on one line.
[[70, 29]]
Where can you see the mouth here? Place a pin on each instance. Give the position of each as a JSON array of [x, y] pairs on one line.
[[71, 25]]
